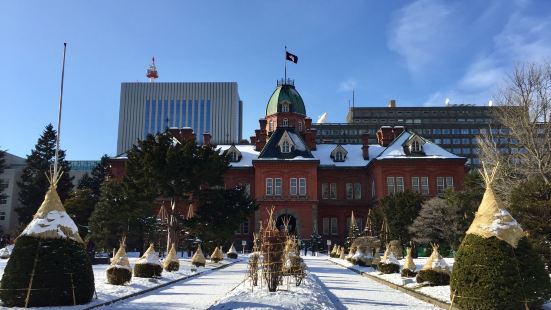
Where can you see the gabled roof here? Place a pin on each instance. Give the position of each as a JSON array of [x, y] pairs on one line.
[[396, 149], [233, 149], [272, 148]]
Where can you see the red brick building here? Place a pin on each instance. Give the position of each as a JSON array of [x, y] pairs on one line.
[[318, 186]]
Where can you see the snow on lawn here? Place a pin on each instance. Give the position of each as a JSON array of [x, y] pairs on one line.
[[309, 295], [107, 292], [438, 292]]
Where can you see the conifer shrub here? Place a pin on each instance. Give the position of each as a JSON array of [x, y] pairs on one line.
[[60, 265], [433, 277], [147, 270], [406, 273], [172, 266], [388, 268], [118, 276], [232, 255], [488, 273]]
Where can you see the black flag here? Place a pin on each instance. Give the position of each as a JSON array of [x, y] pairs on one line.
[[291, 57]]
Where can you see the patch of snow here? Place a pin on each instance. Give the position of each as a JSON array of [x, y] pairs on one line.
[[54, 221], [396, 149], [248, 153], [500, 224], [297, 141]]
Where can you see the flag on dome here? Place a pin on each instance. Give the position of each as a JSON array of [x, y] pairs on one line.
[[291, 57]]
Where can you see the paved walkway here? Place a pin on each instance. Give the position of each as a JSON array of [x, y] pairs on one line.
[[196, 293], [348, 290]]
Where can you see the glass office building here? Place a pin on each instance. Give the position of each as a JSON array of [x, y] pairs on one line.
[[205, 107]]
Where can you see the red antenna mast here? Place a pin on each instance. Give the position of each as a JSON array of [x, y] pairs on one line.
[[152, 73]]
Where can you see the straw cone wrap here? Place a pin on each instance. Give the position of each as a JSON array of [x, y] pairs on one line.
[[198, 258], [409, 264]]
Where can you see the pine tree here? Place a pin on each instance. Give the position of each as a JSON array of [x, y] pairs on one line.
[[400, 210], [353, 232], [34, 184], [95, 179], [80, 206]]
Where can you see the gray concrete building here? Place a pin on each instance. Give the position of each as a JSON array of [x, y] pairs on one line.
[[8, 182], [151, 107]]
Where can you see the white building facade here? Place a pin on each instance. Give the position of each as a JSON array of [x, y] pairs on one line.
[[8, 181]]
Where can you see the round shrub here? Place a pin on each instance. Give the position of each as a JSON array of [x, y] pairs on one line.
[[118, 276], [172, 266], [388, 268], [406, 273], [433, 277], [57, 260], [147, 270], [232, 255], [491, 274]]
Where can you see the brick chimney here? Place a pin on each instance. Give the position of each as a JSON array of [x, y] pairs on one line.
[[183, 134], [387, 134], [263, 122], [365, 146], [307, 123], [206, 138], [260, 139]]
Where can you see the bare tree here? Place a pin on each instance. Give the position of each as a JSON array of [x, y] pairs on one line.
[[524, 108]]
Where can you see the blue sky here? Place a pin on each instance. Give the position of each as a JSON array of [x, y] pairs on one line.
[[417, 52]]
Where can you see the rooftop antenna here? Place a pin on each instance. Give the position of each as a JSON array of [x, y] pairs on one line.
[[152, 73], [56, 159], [353, 101]]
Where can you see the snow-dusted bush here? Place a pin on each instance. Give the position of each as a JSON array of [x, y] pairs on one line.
[[198, 259], [389, 263], [119, 272], [217, 255], [171, 263], [435, 271], [232, 253], [149, 265]]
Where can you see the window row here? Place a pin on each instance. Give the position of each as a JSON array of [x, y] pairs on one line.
[[418, 185], [353, 191], [297, 186]]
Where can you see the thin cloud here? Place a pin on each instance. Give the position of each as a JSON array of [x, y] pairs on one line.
[[348, 85]]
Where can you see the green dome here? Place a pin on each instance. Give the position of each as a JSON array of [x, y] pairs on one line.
[[285, 93]]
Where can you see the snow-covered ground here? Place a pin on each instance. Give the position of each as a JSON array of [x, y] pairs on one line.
[[107, 292], [309, 295], [350, 291]]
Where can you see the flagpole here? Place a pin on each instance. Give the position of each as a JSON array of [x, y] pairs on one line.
[[285, 80], [56, 159]]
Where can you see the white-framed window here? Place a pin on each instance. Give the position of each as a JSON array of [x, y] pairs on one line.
[[390, 188], [269, 186], [357, 191], [334, 227], [400, 184], [285, 147], [416, 146], [324, 191], [449, 182], [333, 191], [326, 226], [285, 107], [293, 186], [285, 122], [339, 156], [271, 126], [439, 185], [302, 186], [299, 126], [425, 186], [234, 157], [415, 184], [349, 191], [277, 186], [247, 188]]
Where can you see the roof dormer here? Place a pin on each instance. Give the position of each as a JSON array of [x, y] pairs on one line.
[[339, 153], [414, 145], [233, 154], [286, 144]]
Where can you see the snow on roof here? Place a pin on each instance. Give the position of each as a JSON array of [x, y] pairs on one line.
[[396, 149], [247, 154], [354, 158]]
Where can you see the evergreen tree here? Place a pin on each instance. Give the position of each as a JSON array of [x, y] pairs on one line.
[[2, 168], [438, 223], [353, 232], [530, 204], [467, 200], [34, 184], [80, 206], [400, 211], [95, 179]]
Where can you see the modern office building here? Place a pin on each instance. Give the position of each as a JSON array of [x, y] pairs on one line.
[[213, 107], [8, 184], [453, 127], [81, 167]]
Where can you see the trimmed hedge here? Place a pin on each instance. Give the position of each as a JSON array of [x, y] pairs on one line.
[[406, 273], [118, 276], [232, 255], [388, 268], [58, 259], [433, 277], [147, 271], [172, 266], [491, 274]]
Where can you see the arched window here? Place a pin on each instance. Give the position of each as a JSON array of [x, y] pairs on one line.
[[285, 122], [271, 126], [299, 126], [285, 107], [339, 157], [285, 147], [416, 147]]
